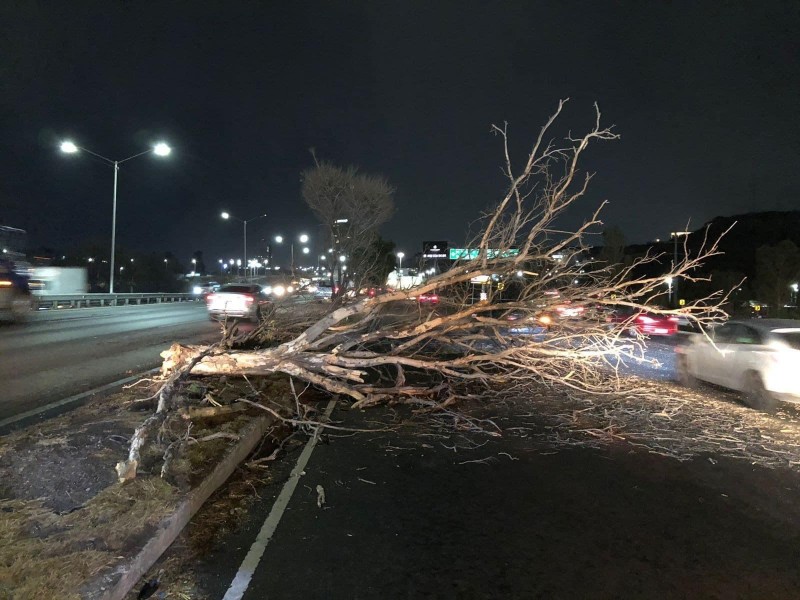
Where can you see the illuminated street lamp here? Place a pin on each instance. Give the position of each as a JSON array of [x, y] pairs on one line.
[[226, 215], [668, 281], [400, 256], [160, 149]]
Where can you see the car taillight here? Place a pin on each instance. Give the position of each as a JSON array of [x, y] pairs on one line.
[[248, 299], [674, 319], [210, 297], [645, 319]]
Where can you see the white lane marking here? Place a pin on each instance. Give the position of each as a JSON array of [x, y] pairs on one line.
[[71, 399], [250, 563]]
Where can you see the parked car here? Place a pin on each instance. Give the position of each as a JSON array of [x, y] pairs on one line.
[[643, 322], [759, 357], [237, 301]]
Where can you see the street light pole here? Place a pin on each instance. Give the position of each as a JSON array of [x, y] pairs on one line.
[[113, 228], [226, 215], [160, 149]]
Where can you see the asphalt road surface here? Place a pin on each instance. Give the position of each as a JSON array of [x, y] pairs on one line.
[[64, 352], [429, 514]]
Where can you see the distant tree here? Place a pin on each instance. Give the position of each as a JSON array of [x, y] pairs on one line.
[[199, 266], [777, 267], [350, 206], [371, 264], [613, 252], [721, 282]]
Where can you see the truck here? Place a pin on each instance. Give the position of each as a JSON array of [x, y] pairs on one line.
[[49, 281]]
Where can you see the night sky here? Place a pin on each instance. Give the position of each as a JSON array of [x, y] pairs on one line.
[[706, 97]]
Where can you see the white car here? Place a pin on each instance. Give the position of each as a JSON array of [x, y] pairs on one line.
[[237, 301], [758, 357]]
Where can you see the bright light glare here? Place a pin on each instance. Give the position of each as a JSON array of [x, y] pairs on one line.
[[343, 258], [400, 254], [279, 290], [68, 147], [162, 149], [303, 238], [306, 250], [225, 215], [279, 239]]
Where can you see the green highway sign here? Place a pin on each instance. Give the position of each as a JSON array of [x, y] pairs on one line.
[[473, 253]]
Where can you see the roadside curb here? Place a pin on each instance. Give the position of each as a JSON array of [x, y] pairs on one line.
[[116, 584], [52, 410]]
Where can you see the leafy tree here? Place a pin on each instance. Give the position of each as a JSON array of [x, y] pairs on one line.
[[350, 206], [613, 252], [777, 267]]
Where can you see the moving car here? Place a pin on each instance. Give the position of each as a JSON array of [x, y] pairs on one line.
[[237, 301], [644, 323], [204, 289], [428, 298], [323, 291], [16, 300], [758, 357]]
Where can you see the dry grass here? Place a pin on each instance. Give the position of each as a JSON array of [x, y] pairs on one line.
[[46, 555]]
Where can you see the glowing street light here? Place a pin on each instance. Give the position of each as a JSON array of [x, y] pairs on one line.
[[159, 149], [400, 256], [303, 238]]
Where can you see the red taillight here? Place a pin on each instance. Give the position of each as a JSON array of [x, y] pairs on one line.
[[248, 299], [210, 297], [645, 319], [674, 319]]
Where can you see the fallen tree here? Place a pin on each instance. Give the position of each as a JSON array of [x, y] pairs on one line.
[[497, 324]]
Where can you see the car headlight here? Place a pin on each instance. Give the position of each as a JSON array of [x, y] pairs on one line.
[[278, 290], [197, 290]]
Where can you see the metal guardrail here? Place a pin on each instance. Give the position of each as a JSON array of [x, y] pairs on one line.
[[88, 300]]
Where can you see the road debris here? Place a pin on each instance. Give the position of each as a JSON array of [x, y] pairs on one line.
[[320, 496]]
